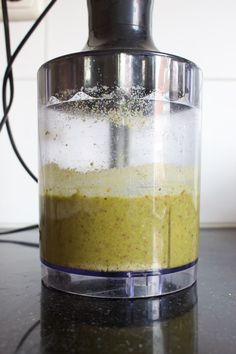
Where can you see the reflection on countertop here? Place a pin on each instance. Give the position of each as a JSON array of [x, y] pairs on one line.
[[88, 325]]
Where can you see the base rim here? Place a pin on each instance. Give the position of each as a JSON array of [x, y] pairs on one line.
[[138, 286]]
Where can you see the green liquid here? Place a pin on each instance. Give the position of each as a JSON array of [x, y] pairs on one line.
[[106, 231]]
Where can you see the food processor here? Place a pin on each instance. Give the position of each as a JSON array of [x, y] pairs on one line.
[[119, 137]]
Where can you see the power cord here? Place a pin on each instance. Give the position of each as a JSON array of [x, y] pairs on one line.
[[26, 228], [8, 77], [21, 243], [14, 55], [11, 80]]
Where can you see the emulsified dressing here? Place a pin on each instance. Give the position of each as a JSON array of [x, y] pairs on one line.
[[109, 221]]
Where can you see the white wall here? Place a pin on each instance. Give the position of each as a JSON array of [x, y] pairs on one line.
[[201, 30]]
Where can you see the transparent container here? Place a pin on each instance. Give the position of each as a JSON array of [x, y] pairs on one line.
[[119, 140]]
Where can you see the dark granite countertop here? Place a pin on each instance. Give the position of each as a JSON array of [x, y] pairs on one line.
[[200, 320]]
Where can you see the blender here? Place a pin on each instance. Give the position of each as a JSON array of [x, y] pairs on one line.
[[119, 136]]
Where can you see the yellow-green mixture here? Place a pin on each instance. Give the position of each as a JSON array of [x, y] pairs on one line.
[[87, 223]]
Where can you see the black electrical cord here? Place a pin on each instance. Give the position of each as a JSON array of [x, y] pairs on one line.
[[26, 335], [14, 55], [8, 76], [11, 80], [21, 229], [21, 243]]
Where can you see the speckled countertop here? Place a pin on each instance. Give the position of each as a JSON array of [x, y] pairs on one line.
[[200, 320]]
